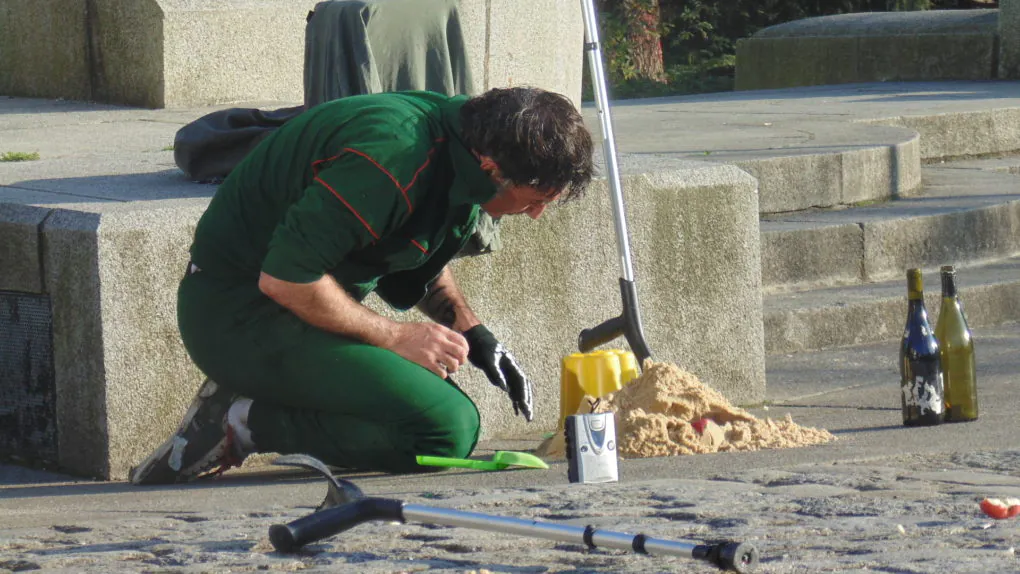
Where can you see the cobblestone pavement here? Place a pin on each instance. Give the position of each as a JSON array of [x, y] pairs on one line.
[[882, 498], [907, 514]]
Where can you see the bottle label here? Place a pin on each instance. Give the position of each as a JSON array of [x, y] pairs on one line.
[[925, 393]]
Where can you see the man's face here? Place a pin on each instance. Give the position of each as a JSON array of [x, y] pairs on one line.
[[513, 199]]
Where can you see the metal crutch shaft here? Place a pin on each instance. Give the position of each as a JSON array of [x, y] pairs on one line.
[[628, 323], [598, 81], [290, 537]]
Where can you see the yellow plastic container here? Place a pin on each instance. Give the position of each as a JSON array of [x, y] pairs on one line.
[[596, 374]]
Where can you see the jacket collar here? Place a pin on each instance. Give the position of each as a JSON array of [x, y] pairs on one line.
[[471, 184]]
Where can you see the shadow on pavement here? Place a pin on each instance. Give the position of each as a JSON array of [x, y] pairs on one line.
[[63, 485], [866, 429], [159, 184]]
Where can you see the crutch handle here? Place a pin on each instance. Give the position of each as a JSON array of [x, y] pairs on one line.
[[600, 334], [627, 324], [325, 523]]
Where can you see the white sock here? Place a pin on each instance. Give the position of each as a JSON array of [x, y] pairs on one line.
[[237, 418]]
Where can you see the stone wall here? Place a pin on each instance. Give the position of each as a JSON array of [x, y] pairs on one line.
[[122, 378], [1009, 39], [176, 53], [45, 35]]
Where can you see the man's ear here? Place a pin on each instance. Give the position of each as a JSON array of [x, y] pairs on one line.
[[488, 165]]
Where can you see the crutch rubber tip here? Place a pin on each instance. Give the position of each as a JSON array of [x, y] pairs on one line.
[[282, 538], [738, 556]]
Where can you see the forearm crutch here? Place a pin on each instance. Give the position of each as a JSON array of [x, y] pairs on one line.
[[351, 508], [628, 323]]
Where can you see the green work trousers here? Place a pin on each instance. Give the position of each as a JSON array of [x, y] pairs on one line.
[[342, 401]]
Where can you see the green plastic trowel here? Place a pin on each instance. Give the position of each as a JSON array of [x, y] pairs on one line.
[[501, 460]]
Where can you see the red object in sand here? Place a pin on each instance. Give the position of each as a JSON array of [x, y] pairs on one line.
[[999, 509]]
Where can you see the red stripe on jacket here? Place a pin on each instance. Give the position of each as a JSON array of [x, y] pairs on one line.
[[349, 206], [403, 190]]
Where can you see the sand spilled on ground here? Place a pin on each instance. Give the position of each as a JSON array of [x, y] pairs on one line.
[[654, 414]]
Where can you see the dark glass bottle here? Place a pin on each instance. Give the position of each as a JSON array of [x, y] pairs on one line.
[[920, 364], [956, 347]]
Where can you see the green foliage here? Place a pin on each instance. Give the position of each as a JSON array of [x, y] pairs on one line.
[[613, 36], [18, 156]]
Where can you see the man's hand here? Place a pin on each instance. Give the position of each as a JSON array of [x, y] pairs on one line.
[[435, 347], [500, 367], [326, 305]]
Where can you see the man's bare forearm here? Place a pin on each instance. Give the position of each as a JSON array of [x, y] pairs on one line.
[[446, 305], [326, 305]]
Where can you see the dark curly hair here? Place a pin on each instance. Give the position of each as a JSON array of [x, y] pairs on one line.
[[537, 138]]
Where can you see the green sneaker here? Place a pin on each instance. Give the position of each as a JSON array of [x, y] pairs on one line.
[[203, 443]]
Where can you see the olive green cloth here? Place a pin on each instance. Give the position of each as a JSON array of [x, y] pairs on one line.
[[371, 46]]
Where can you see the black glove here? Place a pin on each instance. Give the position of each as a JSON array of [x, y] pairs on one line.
[[489, 355]]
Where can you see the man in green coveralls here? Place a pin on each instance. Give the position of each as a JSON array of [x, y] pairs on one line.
[[366, 193]]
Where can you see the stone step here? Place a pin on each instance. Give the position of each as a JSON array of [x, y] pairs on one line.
[[857, 314], [825, 146], [1002, 164], [966, 212]]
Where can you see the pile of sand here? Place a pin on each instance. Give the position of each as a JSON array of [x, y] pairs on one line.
[[654, 413]]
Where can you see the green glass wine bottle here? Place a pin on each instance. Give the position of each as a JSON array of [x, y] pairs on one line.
[[956, 349], [920, 364]]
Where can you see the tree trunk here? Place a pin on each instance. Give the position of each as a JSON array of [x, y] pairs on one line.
[[644, 44]]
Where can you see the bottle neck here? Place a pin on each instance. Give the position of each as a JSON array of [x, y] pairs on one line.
[[915, 286], [948, 285]]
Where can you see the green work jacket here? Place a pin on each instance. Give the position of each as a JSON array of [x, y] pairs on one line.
[[379, 191]]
